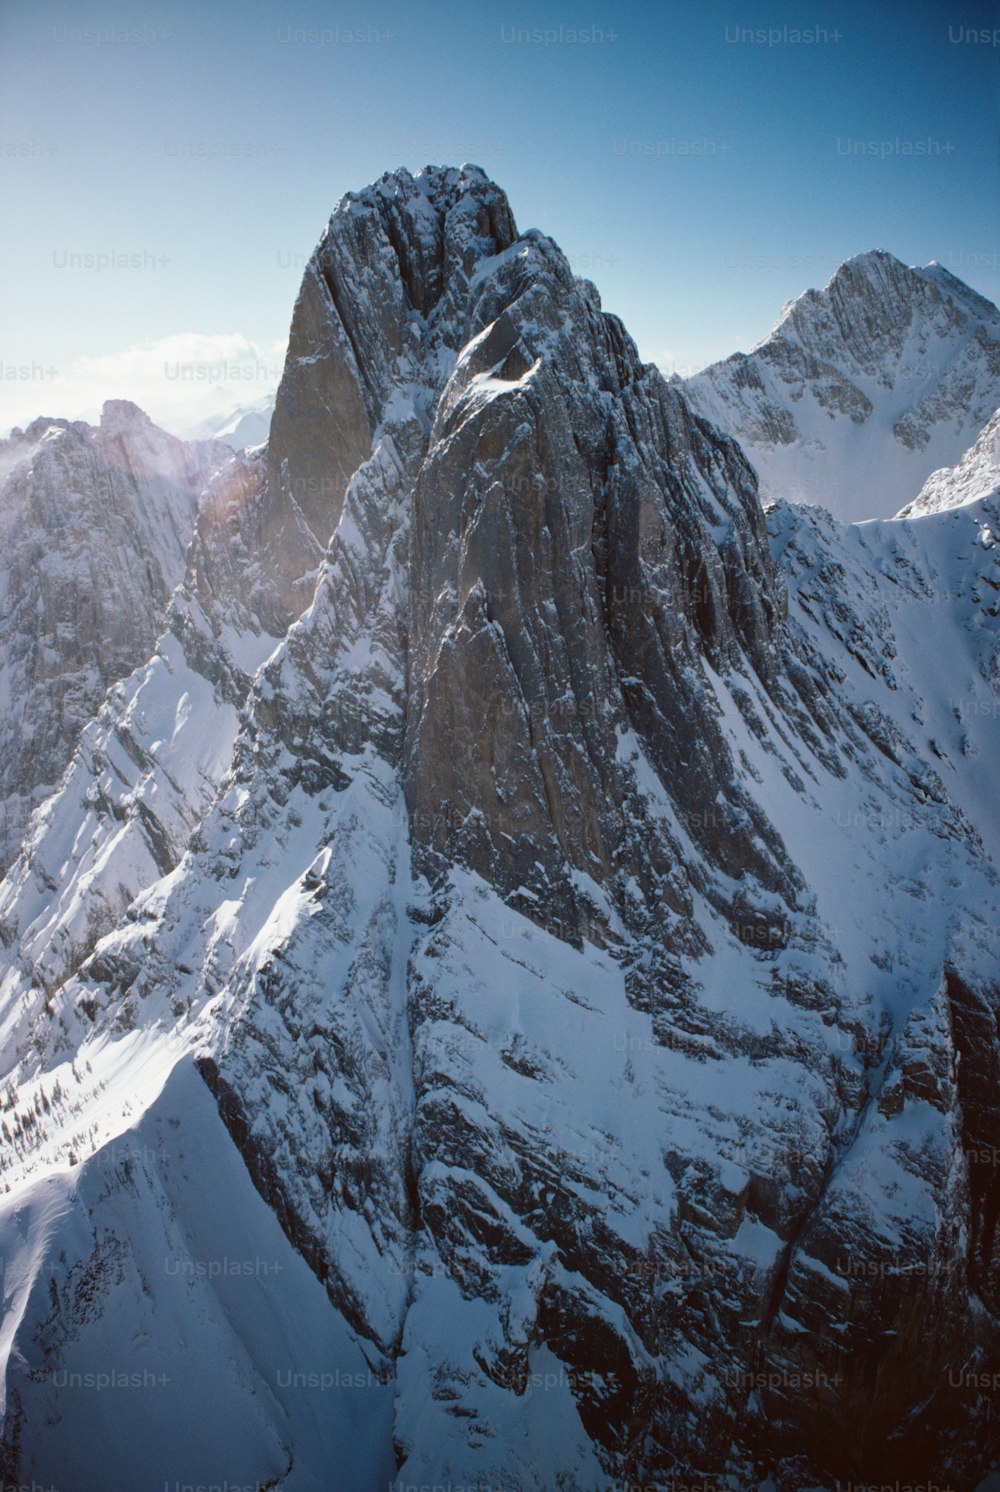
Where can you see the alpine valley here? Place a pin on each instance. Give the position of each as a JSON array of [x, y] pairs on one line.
[[499, 944]]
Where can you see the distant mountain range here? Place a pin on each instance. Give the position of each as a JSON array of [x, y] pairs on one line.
[[247, 425]]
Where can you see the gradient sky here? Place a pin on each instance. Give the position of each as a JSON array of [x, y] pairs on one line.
[[701, 180]]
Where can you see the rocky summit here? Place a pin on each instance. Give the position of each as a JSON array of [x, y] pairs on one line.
[[505, 991], [861, 390]]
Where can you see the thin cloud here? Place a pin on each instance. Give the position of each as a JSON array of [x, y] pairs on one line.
[[178, 380]]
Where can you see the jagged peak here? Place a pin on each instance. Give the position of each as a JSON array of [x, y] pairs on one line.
[[433, 189], [876, 277], [392, 286], [430, 181], [420, 216], [871, 274], [122, 414], [43, 425], [957, 290], [867, 260]]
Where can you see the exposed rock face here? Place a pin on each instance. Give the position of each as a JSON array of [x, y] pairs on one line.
[[862, 389], [94, 524], [571, 885]]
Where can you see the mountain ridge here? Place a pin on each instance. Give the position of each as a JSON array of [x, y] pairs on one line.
[[94, 525]]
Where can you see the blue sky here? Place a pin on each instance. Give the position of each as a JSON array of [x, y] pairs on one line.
[[697, 161]]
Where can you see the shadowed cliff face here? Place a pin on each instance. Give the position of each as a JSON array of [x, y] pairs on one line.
[[583, 550], [386, 301], [586, 961], [581, 545]]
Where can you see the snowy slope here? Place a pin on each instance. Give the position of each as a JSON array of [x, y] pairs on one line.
[[863, 389], [162, 1227], [573, 893], [976, 476], [912, 606]]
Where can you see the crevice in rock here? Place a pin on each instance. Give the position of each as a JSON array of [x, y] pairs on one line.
[[361, 365]]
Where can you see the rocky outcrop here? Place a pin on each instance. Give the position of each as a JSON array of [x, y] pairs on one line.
[[976, 476]]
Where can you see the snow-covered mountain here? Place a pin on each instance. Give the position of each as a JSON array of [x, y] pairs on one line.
[[506, 995], [94, 525], [863, 389], [246, 425]]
